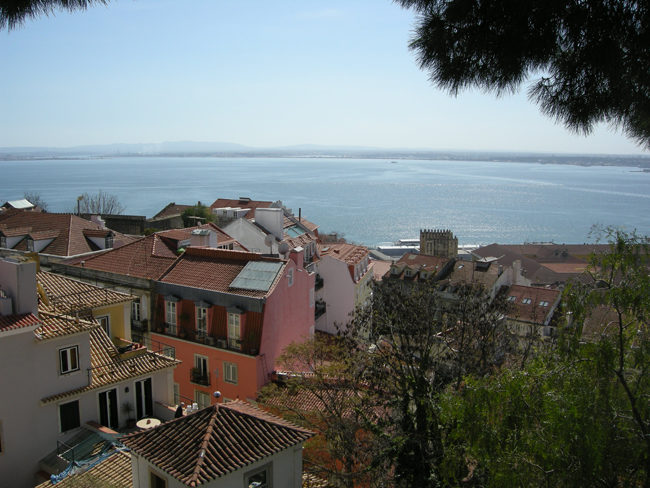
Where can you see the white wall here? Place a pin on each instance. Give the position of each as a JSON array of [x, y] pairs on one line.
[[338, 292]]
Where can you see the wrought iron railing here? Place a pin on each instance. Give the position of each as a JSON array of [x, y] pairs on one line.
[[200, 377]]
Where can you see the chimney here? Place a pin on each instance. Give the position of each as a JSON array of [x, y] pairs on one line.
[[18, 281]]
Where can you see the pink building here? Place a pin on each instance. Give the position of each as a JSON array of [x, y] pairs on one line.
[[229, 315]]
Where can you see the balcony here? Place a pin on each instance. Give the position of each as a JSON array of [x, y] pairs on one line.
[[320, 309], [249, 347], [319, 283], [199, 377]]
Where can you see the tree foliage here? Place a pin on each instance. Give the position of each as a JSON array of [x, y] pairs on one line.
[[101, 203], [14, 13], [197, 215], [591, 56]]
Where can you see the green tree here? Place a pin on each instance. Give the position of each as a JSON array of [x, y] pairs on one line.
[[14, 13], [197, 215], [591, 56], [578, 414]]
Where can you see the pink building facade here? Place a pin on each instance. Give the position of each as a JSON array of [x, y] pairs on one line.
[[229, 315]]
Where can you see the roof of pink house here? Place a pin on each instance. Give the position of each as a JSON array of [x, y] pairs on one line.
[[541, 301], [69, 241], [215, 441], [145, 258], [215, 269], [18, 321], [348, 253]]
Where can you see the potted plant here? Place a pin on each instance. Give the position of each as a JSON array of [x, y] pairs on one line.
[[127, 409], [182, 332]]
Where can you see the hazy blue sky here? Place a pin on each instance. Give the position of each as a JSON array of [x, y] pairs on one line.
[[255, 72]]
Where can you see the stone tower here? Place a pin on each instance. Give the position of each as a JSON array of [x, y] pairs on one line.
[[438, 243]]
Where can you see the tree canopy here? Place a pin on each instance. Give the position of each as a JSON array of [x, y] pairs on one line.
[[591, 57], [14, 13]]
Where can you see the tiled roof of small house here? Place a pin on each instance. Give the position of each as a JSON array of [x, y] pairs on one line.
[[97, 232], [70, 240], [541, 302], [348, 253], [115, 470], [109, 366], [186, 233], [379, 269], [417, 263], [214, 269], [66, 294], [18, 321], [241, 203], [215, 441], [55, 325], [476, 272], [146, 258], [171, 210]]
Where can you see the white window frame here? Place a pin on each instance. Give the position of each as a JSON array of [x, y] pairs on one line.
[[136, 310], [290, 277], [177, 394], [527, 301], [170, 316], [202, 398], [408, 272], [3, 242], [29, 242], [234, 330], [105, 322], [311, 298], [201, 322], [544, 303], [67, 352], [108, 241], [267, 469], [230, 373]]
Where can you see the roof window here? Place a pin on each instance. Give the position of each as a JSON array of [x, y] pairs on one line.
[[512, 298], [543, 303], [526, 301]]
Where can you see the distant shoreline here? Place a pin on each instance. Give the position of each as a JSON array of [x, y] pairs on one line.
[[641, 162]]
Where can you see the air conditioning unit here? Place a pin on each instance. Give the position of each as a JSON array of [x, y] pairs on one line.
[[209, 341], [222, 343]]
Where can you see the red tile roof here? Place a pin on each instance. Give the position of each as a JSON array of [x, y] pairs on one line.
[[56, 325], [171, 210], [214, 269], [533, 311], [115, 470], [215, 441], [17, 321], [241, 203], [348, 253], [145, 258], [70, 240]]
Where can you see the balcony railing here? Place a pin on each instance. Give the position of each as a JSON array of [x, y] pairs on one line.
[[204, 337], [319, 283], [319, 310], [200, 377]]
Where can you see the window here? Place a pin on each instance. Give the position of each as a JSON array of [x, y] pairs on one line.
[[30, 244], [512, 298], [394, 270], [234, 330], [3, 241], [543, 303], [259, 478], [526, 301], [201, 373], [177, 394], [135, 310], [108, 241], [105, 323], [143, 399], [68, 360], [408, 272], [202, 398], [201, 322], [170, 316], [156, 481], [290, 276], [230, 372], [69, 416], [311, 297]]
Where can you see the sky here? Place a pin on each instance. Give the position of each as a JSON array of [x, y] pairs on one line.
[[254, 72]]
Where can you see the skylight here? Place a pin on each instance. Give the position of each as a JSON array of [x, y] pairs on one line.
[[257, 275]]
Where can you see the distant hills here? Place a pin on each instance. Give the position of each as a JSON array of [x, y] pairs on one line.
[[228, 149]]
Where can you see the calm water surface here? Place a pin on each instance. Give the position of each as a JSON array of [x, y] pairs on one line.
[[371, 201]]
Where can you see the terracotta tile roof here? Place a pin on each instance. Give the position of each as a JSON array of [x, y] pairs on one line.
[[186, 233], [214, 269], [533, 311], [348, 253], [299, 241], [66, 294], [171, 210], [109, 366], [474, 272], [57, 325], [17, 321], [567, 268], [97, 232], [309, 399], [17, 231], [379, 269], [145, 258], [541, 252], [70, 240], [115, 470], [214, 441]]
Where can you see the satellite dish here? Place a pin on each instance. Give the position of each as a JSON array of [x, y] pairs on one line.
[[269, 240], [283, 247]]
